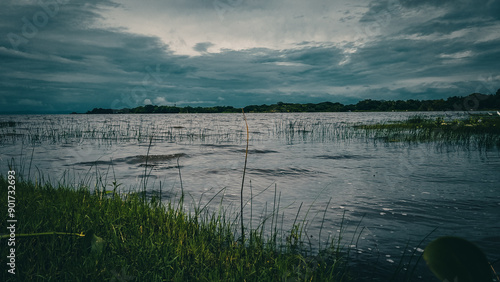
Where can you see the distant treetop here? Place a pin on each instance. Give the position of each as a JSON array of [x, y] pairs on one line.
[[474, 102]]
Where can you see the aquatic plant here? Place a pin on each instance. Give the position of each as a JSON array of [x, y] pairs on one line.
[[152, 241], [480, 131], [456, 259], [157, 240], [109, 131]]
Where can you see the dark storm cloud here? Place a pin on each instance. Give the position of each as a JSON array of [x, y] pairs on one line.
[[63, 57], [202, 47], [68, 64], [316, 56], [452, 16], [448, 47]]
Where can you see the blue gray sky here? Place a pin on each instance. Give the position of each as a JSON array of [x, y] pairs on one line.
[[68, 55]]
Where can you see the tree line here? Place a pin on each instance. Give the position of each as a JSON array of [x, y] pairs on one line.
[[472, 102]]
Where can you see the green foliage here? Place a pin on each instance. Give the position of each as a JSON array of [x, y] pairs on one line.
[[456, 259], [482, 131], [94, 243], [100, 111], [475, 101], [416, 120], [147, 241]]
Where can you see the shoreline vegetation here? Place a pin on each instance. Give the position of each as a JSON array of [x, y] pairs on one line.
[[479, 130], [80, 233], [125, 236], [472, 102]]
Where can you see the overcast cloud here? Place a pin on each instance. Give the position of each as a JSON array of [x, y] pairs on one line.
[[68, 55]]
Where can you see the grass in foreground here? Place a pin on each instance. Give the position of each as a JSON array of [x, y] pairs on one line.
[[145, 241], [482, 131]]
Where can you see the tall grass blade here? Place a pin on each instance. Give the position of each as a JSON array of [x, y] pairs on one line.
[[243, 182]]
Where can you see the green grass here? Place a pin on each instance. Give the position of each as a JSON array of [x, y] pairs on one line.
[[147, 241], [481, 131]]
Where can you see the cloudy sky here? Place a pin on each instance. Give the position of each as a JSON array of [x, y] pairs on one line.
[[75, 55]]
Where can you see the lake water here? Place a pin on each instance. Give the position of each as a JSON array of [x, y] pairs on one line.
[[398, 193]]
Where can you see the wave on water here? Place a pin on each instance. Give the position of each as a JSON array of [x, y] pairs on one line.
[[138, 159], [342, 157], [290, 171], [255, 151]]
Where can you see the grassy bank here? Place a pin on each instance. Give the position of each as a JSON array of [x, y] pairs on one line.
[[482, 131], [71, 234]]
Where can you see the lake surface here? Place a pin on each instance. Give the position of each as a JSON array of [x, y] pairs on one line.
[[398, 193]]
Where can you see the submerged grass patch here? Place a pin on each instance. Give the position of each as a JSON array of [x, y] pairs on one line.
[[482, 131], [147, 241]]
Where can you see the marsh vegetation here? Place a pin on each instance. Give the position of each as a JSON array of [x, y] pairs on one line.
[[478, 130], [325, 193], [125, 236]]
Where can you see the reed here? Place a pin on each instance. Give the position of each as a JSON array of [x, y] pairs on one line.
[[106, 131], [146, 238], [477, 131], [143, 238], [146, 241], [243, 180]]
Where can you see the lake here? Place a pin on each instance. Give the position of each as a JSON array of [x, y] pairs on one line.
[[397, 193]]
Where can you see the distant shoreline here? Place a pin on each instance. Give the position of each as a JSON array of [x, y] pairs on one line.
[[472, 102]]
